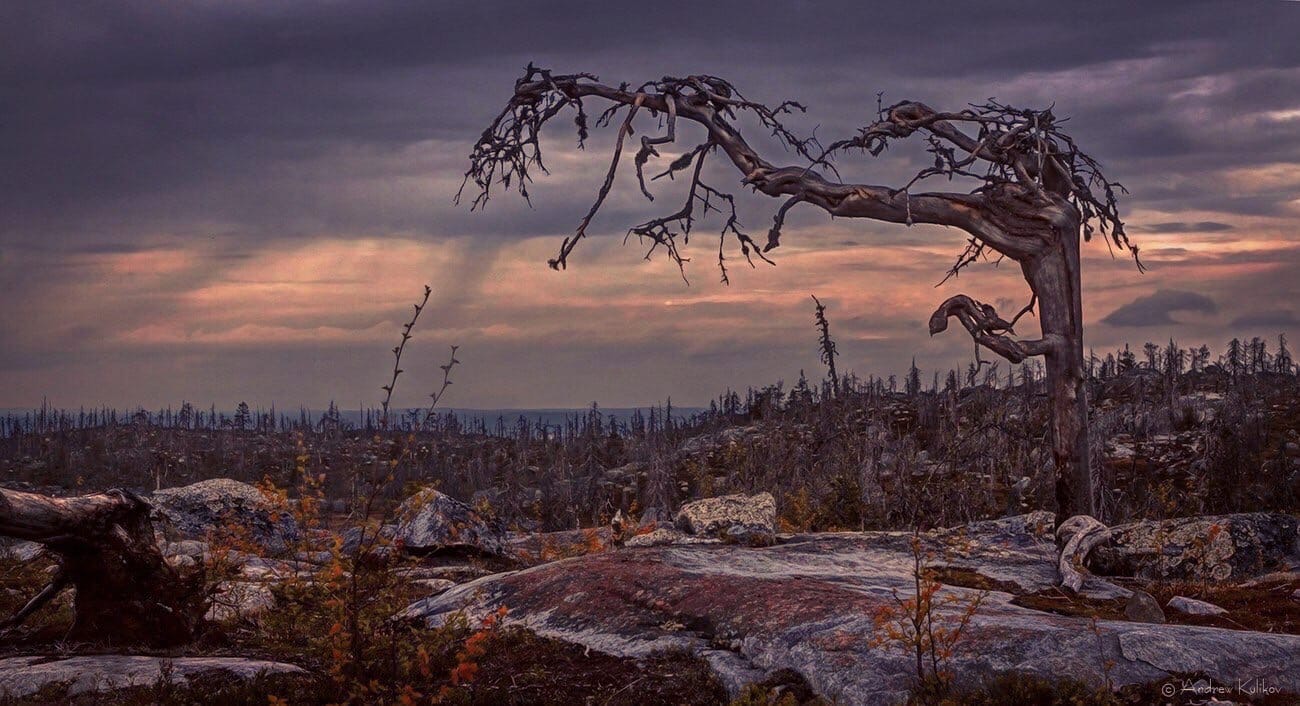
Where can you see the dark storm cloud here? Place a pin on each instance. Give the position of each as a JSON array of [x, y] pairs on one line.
[[276, 119], [83, 41], [131, 128], [1155, 309]]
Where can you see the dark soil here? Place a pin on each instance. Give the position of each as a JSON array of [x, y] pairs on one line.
[[524, 668], [519, 668], [966, 578]]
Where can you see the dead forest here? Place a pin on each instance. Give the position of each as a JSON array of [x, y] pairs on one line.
[[1178, 431]]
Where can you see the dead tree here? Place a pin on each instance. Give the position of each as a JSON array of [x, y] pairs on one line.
[[1034, 195], [107, 553]]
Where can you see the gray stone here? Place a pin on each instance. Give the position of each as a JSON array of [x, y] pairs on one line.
[[711, 516], [352, 536], [1274, 577], [662, 536], [708, 444], [256, 568], [748, 535], [532, 547], [234, 600], [1212, 548], [1020, 530], [181, 561], [431, 521], [20, 549], [1191, 606], [319, 557], [455, 574], [734, 671], [21, 677], [1102, 590], [1142, 607], [810, 604], [186, 547], [221, 504]]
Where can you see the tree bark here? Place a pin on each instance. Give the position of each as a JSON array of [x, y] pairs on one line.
[[124, 591], [1054, 278]]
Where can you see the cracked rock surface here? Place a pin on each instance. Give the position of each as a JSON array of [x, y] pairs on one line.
[[807, 605]]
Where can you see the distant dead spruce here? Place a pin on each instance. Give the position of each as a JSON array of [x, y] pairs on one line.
[[1035, 195]]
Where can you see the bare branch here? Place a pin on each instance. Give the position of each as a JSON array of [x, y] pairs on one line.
[[648, 145], [397, 356], [1077, 537], [1029, 308], [446, 382], [562, 260], [1027, 147], [510, 147], [988, 329], [52, 589], [664, 231]]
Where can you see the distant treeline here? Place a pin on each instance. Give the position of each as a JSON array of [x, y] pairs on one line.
[[540, 423], [1238, 357]]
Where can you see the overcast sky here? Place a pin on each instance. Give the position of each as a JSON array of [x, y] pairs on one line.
[[224, 201]]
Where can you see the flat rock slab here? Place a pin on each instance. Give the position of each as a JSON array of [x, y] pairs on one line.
[[811, 604], [21, 677], [1191, 606]]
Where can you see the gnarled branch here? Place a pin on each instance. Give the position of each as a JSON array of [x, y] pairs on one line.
[[1027, 147], [510, 147], [989, 330], [1077, 537]]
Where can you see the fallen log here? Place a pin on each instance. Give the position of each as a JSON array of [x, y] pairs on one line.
[[125, 593]]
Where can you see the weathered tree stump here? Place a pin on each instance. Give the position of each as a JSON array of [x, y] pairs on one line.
[[104, 542]]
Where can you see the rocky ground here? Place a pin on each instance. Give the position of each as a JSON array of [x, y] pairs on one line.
[[711, 603], [818, 604]]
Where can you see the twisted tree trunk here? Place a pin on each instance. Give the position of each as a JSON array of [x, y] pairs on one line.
[[1054, 278], [104, 542]]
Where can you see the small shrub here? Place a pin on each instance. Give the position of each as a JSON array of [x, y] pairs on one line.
[[929, 624]]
